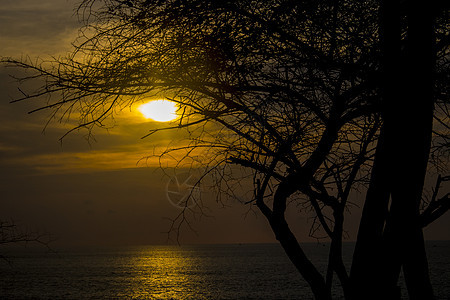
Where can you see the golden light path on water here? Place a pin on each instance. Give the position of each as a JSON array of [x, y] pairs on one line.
[[167, 273]]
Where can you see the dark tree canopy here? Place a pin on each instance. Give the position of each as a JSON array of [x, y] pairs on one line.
[[287, 90]]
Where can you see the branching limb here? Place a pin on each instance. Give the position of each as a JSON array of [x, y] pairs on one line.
[[437, 206], [11, 233]]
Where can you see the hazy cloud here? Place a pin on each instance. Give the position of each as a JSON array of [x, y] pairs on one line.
[[37, 28]]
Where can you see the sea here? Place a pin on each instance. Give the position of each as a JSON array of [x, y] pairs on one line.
[[237, 271]]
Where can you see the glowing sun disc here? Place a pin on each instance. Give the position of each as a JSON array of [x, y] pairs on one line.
[[159, 110]]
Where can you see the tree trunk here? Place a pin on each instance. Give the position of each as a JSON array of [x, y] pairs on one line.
[[288, 241], [413, 114], [367, 276], [402, 156], [295, 253]]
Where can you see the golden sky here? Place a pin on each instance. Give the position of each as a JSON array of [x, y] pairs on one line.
[[96, 192]]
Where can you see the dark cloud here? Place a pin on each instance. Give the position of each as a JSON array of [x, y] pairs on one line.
[[37, 28]]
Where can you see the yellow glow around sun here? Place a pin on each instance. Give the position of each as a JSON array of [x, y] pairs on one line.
[[159, 110]]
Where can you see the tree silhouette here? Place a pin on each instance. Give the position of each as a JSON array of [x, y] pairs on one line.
[[393, 229], [297, 97], [11, 233]]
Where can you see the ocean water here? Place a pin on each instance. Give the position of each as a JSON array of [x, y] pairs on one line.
[[249, 271]]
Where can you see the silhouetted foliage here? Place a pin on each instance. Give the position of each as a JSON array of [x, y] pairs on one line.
[[289, 91]]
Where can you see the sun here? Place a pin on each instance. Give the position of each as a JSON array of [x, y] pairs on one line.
[[159, 110]]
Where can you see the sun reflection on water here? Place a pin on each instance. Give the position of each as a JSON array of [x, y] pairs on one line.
[[165, 273], [259, 271]]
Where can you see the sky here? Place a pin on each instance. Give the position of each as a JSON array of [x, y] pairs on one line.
[[100, 192]]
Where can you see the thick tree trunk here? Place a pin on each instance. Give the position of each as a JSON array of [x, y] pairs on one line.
[[386, 244], [412, 130], [367, 276]]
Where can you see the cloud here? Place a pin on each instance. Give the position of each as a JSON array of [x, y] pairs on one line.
[[26, 146], [116, 157], [37, 28]]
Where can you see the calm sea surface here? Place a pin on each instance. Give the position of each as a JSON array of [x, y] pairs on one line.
[[256, 271]]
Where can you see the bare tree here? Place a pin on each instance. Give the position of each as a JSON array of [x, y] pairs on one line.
[[11, 233], [283, 93]]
